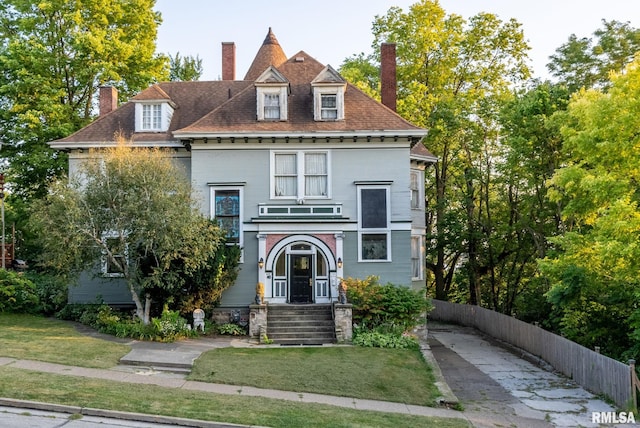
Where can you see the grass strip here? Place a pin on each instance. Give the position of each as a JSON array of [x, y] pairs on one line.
[[155, 400]]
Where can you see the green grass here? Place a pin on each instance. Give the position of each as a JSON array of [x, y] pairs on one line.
[[46, 339], [398, 375], [95, 393]]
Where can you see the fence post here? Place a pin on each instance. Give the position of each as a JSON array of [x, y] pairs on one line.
[[634, 384]]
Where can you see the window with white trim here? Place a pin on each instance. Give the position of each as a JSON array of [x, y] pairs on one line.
[[300, 175], [374, 225], [153, 116], [226, 210], [114, 255], [328, 106], [417, 257], [272, 103], [416, 186]]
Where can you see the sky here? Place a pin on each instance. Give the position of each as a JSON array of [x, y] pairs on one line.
[[333, 30]]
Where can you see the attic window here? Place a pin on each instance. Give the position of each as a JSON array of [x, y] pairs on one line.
[[329, 106], [271, 106], [153, 116]]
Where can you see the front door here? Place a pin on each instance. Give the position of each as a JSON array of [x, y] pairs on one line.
[[301, 278]]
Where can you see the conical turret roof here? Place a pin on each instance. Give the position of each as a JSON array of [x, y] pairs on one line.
[[270, 53]]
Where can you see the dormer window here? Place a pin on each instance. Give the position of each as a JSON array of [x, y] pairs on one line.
[[328, 106], [328, 95], [272, 90], [153, 116], [272, 106]]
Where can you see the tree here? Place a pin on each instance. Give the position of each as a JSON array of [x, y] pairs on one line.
[[594, 266], [132, 210], [184, 69], [587, 63], [53, 57], [452, 77]]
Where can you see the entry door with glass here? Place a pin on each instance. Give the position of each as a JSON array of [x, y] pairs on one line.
[[301, 278]]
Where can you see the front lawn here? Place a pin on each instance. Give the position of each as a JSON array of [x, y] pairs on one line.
[[155, 400], [46, 339], [399, 375]]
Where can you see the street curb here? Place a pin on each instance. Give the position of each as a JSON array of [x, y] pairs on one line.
[[115, 414]]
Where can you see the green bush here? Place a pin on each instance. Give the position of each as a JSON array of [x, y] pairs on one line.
[[52, 292], [231, 329], [376, 305], [167, 328], [17, 293]]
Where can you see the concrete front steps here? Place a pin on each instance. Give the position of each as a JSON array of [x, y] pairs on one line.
[[300, 324]]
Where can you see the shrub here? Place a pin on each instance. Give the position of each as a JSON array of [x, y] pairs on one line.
[[378, 339], [17, 293], [376, 305], [52, 292], [231, 329]]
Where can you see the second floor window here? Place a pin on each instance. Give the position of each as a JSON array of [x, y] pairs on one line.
[[300, 174]]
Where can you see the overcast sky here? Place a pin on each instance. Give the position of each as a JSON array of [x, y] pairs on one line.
[[333, 30]]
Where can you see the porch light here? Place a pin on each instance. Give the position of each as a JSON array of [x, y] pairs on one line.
[[339, 262], [261, 263]]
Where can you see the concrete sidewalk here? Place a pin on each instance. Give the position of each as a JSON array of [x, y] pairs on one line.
[[498, 388]]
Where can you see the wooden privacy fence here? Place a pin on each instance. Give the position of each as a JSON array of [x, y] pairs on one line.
[[593, 371]]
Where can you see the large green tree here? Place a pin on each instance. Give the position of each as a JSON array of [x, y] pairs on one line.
[[184, 68], [53, 56], [596, 263], [586, 62], [133, 211], [453, 76]]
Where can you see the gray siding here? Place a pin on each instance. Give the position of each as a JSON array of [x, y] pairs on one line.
[[397, 272], [91, 288], [243, 292]]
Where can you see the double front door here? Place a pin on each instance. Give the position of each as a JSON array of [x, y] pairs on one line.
[[301, 278]]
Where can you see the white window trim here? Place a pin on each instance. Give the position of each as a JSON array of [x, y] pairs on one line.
[[262, 91], [166, 113], [377, 231], [212, 211], [105, 263], [318, 91], [420, 189], [420, 257], [300, 174]]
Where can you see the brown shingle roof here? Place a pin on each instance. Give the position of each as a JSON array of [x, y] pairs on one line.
[[362, 113], [270, 53], [227, 107]]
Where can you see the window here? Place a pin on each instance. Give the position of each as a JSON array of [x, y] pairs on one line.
[[374, 234], [417, 257], [226, 209], [227, 213], [151, 116], [329, 106], [416, 190], [271, 106], [114, 256], [300, 174]]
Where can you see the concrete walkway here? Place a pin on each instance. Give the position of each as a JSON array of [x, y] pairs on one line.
[[498, 388]]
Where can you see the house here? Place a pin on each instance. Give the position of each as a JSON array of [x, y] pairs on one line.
[[315, 180]]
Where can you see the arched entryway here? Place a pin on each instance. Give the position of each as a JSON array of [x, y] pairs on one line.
[[301, 269]]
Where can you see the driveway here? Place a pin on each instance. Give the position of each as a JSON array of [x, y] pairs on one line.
[[498, 388]]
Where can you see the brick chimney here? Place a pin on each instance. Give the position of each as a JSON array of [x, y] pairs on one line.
[[388, 80], [228, 61], [108, 98]]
